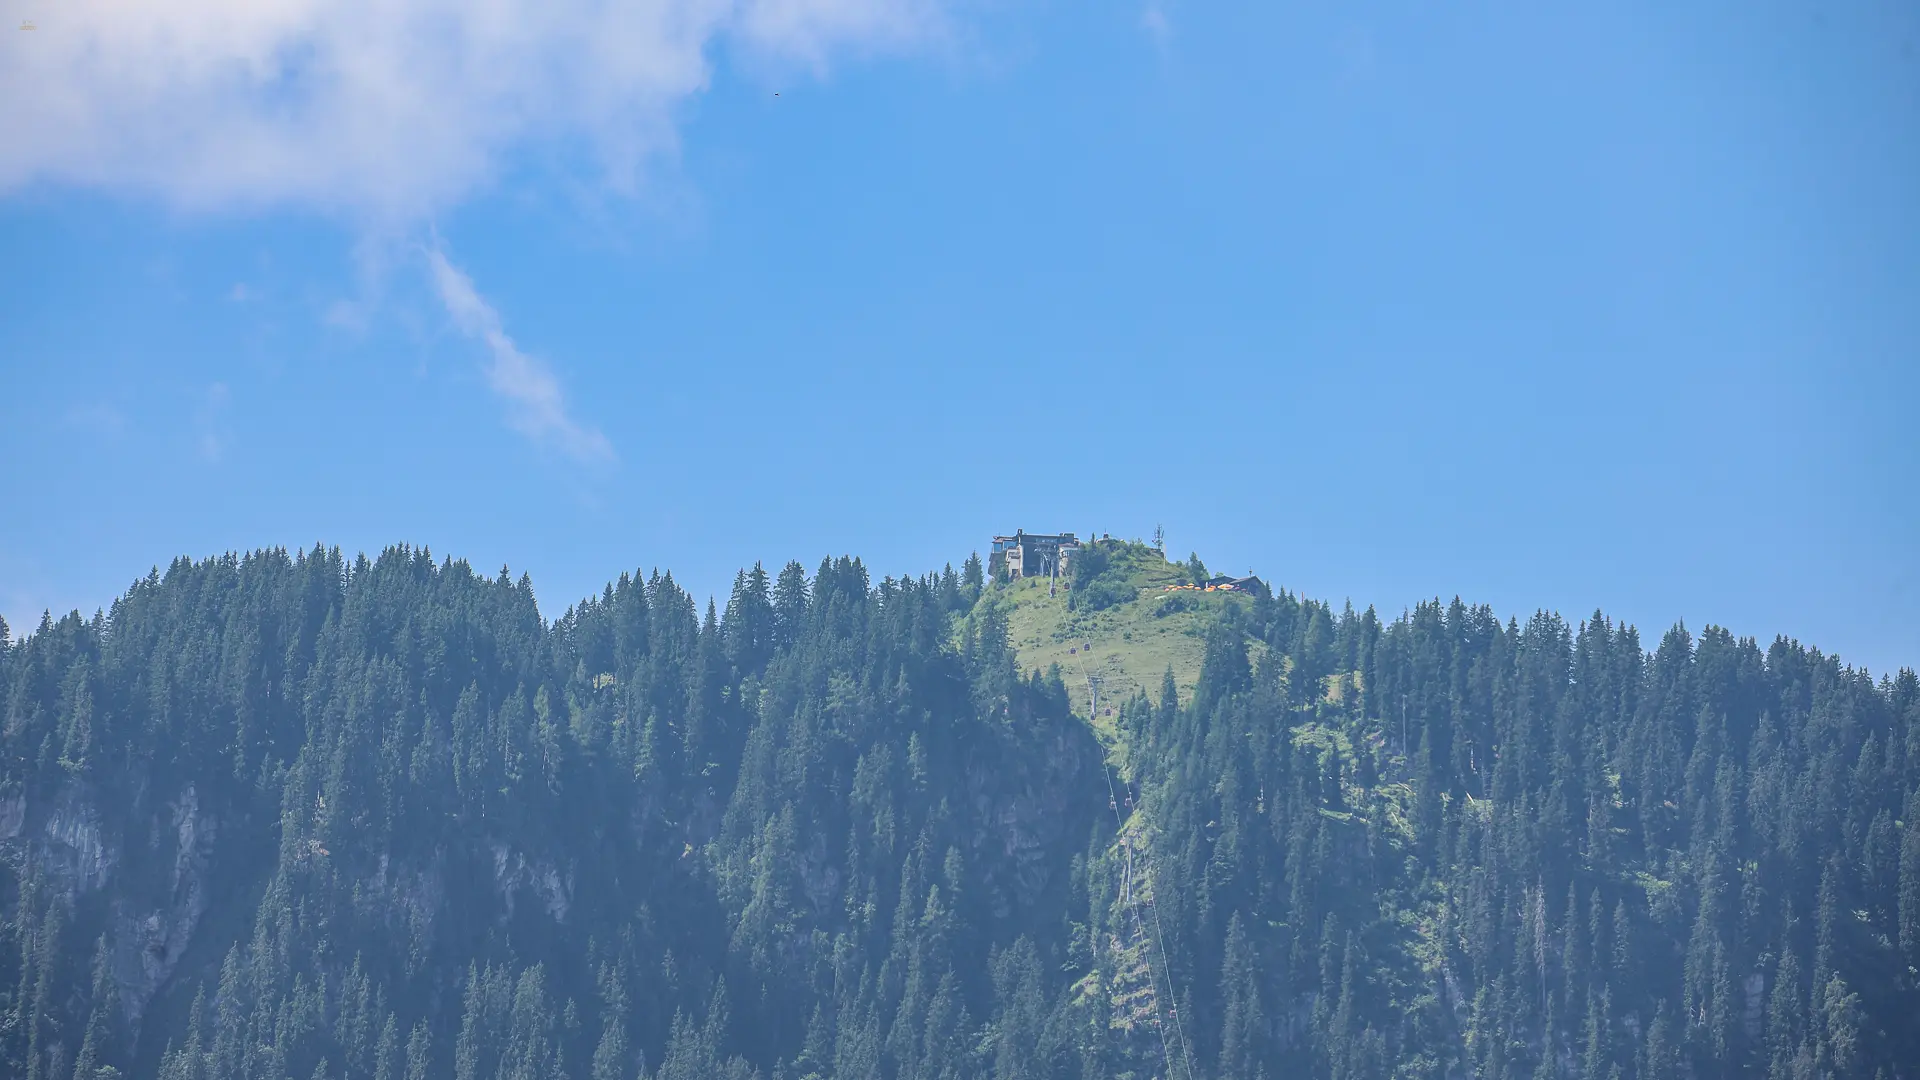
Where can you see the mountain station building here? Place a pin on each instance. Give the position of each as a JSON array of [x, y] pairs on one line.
[[1026, 554]]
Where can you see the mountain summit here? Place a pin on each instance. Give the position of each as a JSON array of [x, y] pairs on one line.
[[294, 815]]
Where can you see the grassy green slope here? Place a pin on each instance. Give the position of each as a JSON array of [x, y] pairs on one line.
[[1129, 646]]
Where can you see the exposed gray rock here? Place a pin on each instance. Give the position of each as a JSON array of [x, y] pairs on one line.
[[512, 873], [13, 815], [63, 836], [147, 940]]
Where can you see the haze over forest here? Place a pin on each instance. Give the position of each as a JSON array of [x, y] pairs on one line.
[[1521, 686], [310, 816]]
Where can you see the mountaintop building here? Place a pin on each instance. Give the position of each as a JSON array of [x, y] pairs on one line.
[[1026, 554], [1249, 584]]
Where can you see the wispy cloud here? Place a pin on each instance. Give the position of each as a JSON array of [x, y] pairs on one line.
[[388, 115], [1154, 20], [387, 112], [536, 407]]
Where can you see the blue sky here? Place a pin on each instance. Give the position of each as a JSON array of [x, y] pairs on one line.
[[1607, 306]]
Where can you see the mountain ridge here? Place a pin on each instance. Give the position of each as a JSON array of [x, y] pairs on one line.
[[299, 815]]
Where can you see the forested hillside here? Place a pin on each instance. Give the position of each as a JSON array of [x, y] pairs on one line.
[[294, 815]]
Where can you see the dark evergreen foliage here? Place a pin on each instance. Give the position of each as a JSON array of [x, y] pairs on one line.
[[293, 815]]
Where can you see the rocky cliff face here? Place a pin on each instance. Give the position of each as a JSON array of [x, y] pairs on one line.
[[283, 805], [138, 872], [63, 833], [1033, 815], [150, 931], [146, 908]]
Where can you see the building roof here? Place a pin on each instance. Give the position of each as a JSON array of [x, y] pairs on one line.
[[1038, 538]]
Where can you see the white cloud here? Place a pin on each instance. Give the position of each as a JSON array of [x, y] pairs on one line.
[[386, 111], [536, 407]]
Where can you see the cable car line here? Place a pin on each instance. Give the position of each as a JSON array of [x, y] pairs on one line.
[[1133, 907]]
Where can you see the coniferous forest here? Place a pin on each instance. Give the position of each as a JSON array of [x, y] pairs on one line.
[[294, 815]]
